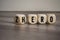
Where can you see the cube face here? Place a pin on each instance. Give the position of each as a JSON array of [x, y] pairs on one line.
[[20, 19], [32, 18], [51, 18], [17, 19], [42, 18]]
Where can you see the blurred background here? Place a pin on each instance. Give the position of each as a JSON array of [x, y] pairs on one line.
[[10, 31], [29, 5]]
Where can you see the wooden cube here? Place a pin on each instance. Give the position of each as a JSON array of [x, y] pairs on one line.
[[20, 18], [17, 18], [32, 18], [42, 18], [51, 18]]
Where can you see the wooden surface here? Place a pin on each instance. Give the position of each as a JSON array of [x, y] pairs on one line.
[[10, 31]]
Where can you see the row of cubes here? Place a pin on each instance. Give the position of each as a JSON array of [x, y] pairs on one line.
[[35, 18]]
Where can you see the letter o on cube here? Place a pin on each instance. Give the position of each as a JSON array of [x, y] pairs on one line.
[[51, 18], [42, 18], [32, 18], [20, 19]]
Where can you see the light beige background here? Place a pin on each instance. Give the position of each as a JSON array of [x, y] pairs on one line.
[[29, 5]]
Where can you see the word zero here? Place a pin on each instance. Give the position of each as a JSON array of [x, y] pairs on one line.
[[35, 18]]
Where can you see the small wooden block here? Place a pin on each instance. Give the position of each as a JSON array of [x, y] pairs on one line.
[[42, 18], [51, 18], [17, 19], [32, 18]]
